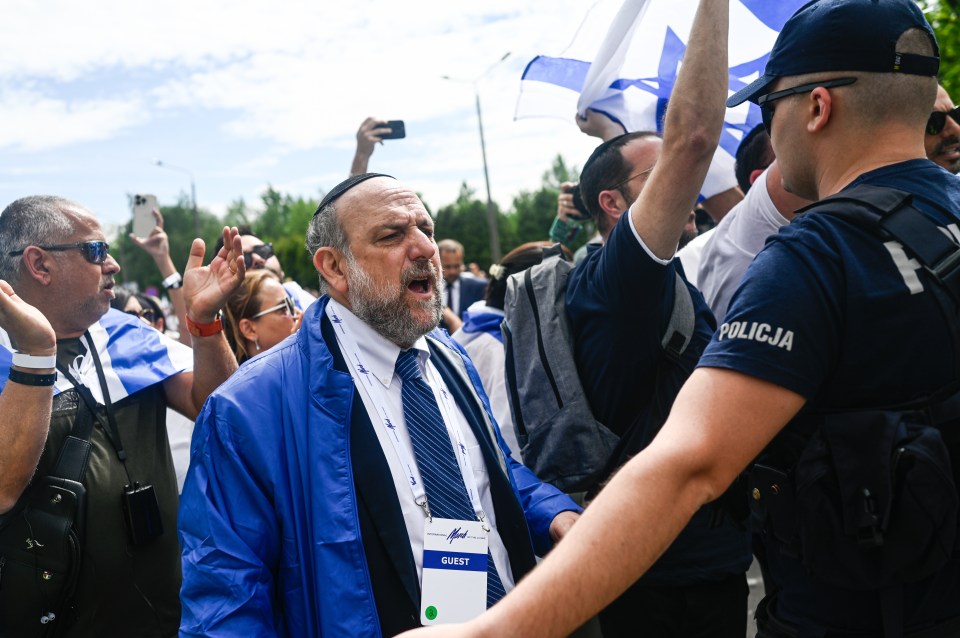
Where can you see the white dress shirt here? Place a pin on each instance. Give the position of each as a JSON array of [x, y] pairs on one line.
[[379, 356]]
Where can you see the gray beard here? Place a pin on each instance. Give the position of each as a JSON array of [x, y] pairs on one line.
[[387, 312]]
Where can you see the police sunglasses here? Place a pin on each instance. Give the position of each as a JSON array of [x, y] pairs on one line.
[[938, 119], [766, 111], [96, 252], [264, 251], [287, 304]]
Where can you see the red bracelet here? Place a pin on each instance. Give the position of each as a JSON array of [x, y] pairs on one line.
[[204, 329]]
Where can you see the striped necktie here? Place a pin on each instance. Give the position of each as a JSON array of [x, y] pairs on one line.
[[439, 470]]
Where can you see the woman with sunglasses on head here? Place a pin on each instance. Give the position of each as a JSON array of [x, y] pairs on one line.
[[259, 315]]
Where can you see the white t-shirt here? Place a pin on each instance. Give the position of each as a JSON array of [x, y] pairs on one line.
[[691, 254], [736, 241]]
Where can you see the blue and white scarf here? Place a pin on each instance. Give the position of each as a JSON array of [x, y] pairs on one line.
[[134, 356]]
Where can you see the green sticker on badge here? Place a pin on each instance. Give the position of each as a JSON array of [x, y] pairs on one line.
[[430, 612]]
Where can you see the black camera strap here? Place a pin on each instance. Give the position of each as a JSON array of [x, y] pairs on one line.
[[110, 428]]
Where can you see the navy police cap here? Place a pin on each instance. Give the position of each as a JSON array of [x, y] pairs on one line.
[[844, 35]]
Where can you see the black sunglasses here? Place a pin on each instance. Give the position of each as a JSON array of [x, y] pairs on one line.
[[96, 252], [938, 119], [146, 314], [264, 251], [766, 111]]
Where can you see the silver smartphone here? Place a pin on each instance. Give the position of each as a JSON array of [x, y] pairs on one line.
[[143, 221]]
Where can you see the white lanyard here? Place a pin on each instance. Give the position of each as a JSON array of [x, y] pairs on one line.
[[376, 393]]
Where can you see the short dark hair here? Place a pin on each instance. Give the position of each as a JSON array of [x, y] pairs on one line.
[[754, 152], [606, 168]]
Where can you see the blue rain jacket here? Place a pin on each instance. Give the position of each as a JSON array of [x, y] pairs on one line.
[[268, 516]]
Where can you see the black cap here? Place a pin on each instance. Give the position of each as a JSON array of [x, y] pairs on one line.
[[346, 185], [844, 35]]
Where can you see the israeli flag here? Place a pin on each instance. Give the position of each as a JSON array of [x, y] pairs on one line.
[[624, 59], [134, 356]]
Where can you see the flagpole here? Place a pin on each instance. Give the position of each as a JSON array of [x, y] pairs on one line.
[[491, 211]]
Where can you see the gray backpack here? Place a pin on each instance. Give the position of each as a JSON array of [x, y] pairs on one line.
[[560, 439]]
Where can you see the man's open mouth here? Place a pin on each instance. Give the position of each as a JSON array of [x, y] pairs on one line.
[[420, 285]]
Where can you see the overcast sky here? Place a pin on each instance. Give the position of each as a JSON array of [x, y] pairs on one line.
[[246, 94]]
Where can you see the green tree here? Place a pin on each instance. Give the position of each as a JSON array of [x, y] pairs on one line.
[[283, 222], [534, 211], [942, 15], [238, 214], [466, 221]]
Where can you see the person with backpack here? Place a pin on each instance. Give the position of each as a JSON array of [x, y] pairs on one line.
[[836, 364], [619, 304]]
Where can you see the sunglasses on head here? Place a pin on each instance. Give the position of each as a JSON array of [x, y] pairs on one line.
[[264, 251], [95, 252], [764, 101], [938, 119], [146, 314], [286, 305]]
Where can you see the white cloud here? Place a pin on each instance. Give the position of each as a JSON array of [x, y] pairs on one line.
[[277, 84], [32, 121]]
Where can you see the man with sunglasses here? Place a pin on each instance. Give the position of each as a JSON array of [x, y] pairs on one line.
[[257, 254], [72, 360], [829, 317], [942, 140]]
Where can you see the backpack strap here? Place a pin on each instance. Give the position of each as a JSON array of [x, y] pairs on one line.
[[682, 322]]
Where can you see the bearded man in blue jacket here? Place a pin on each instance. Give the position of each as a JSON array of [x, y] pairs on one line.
[[300, 515]]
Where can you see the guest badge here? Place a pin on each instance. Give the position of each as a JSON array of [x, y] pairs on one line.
[[454, 587]]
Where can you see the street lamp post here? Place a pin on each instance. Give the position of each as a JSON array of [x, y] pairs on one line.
[[491, 211], [193, 192]]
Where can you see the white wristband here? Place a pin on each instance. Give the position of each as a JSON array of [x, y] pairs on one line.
[[173, 281], [34, 362]]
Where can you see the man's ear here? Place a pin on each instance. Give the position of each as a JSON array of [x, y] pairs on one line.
[[820, 108], [612, 202], [331, 264], [38, 265]]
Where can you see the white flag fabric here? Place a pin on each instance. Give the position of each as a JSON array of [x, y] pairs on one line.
[[133, 355], [624, 59]]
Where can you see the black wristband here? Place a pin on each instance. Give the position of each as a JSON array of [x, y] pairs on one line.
[[27, 378]]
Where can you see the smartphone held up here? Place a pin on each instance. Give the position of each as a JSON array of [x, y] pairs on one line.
[[397, 130], [143, 220]]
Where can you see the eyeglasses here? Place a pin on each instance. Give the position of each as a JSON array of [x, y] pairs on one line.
[[938, 119], [264, 251], [766, 111], [96, 252], [146, 314], [632, 177], [286, 305]]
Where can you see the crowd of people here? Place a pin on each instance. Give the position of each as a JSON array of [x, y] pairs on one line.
[[784, 388]]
